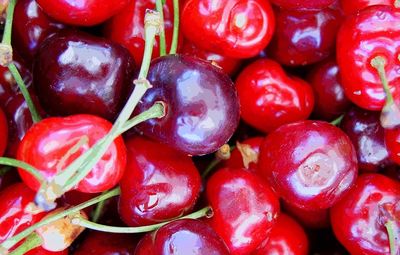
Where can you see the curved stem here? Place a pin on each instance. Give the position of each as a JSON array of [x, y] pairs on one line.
[[379, 63], [156, 111], [110, 229], [22, 165], [338, 120], [4, 170], [393, 238], [9, 21], [210, 167], [175, 35], [99, 210], [159, 8], [31, 242]]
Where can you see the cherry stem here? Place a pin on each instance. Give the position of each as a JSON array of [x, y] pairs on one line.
[[175, 34], [10, 242], [9, 20], [393, 237], [213, 164], [31, 242], [160, 9], [4, 170], [99, 210], [129, 230], [24, 166], [338, 120], [379, 63]]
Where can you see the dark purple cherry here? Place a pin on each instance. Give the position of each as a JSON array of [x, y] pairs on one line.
[[182, 237], [365, 131], [79, 73], [202, 109]]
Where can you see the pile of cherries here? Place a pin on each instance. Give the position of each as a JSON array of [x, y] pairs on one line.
[[207, 127]]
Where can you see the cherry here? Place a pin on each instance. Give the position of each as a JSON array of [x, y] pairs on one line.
[[269, 98], [189, 237], [244, 209], [392, 141], [300, 4], [310, 164], [84, 12], [31, 26], [41, 251], [371, 33], [159, 183], [350, 7], [304, 37], [233, 28], [287, 237], [315, 219], [73, 67], [359, 219], [8, 176], [366, 133], [330, 99], [3, 132], [202, 109], [53, 143], [103, 243]]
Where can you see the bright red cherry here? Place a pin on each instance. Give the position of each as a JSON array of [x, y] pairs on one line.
[[287, 237], [49, 141], [359, 219], [310, 164], [3, 132], [301, 4], [392, 141], [269, 98], [350, 7], [31, 26], [83, 12], [188, 237], [159, 184], [370, 33], [202, 108], [315, 219], [330, 99], [304, 37], [244, 209], [233, 28]]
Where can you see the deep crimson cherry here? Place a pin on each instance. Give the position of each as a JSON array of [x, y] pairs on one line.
[[127, 27], [370, 33], [31, 26], [365, 131], [304, 37], [83, 12], [202, 108], [79, 73], [269, 98], [48, 141], [244, 209], [315, 219], [392, 141], [41, 251], [103, 243], [188, 237], [3, 132], [287, 237], [8, 177], [330, 99], [233, 28], [159, 184], [310, 164], [350, 7], [301, 4], [359, 219]]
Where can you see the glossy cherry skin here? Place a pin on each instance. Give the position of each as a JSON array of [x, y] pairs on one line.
[[48, 141], [202, 108], [84, 12], [3, 132], [310, 164], [127, 27], [304, 37], [159, 184], [392, 141], [31, 26], [287, 237], [365, 131], [350, 7], [301, 4], [269, 98], [370, 33], [330, 99], [233, 28], [189, 237], [103, 243], [244, 209], [358, 219], [315, 219], [73, 67]]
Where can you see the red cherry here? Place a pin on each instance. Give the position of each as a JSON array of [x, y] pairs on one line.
[[350, 7], [304, 37], [392, 141], [8, 178], [245, 154], [49, 140], [310, 164], [84, 12], [233, 28], [315, 219], [40, 251], [287, 237], [330, 100], [370, 33], [358, 220], [244, 207], [301, 4], [3, 132], [269, 98], [159, 184]]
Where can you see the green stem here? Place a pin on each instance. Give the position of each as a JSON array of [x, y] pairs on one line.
[[127, 230], [337, 121], [99, 210], [156, 111], [4, 170], [22, 165], [210, 167], [393, 238], [10, 242], [379, 63], [175, 35], [31, 242], [159, 8], [9, 21]]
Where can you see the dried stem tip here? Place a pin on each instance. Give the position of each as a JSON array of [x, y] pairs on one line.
[[6, 54], [153, 19]]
